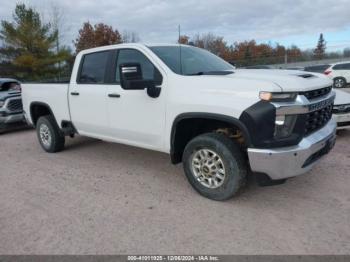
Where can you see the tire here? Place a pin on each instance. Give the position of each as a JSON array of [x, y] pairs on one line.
[[229, 158], [339, 82], [50, 137]]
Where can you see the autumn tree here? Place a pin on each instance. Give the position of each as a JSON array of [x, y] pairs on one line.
[[29, 45], [320, 50], [279, 53], [247, 53], [183, 39], [294, 53], [244, 53], [211, 42], [97, 35]]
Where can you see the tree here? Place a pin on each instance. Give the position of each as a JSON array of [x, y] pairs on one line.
[[97, 35], [130, 37], [29, 46], [58, 22], [248, 53], [183, 39], [213, 43], [293, 53], [346, 52], [320, 50]]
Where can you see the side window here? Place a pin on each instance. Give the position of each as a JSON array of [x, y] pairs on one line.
[[346, 66], [149, 71], [93, 68], [338, 67]]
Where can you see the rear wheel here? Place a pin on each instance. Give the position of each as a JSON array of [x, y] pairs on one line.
[[339, 82], [50, 136], [214, 166]]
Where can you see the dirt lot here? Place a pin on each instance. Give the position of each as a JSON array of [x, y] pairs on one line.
[[103, 198]]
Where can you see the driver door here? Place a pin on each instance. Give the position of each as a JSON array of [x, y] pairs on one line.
[[134, 117]]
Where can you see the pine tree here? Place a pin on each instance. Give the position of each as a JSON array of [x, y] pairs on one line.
[[320, 50], [29, 46]]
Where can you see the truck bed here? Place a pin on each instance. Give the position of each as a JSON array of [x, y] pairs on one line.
[[54, 95]]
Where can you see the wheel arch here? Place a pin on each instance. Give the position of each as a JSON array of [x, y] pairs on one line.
[[38, 109], [179, 138]]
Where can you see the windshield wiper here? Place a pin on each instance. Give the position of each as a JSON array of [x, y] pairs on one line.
[[211, 73]]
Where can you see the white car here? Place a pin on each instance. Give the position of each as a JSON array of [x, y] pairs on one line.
[[340, 73], [341, 109], [219, 122]]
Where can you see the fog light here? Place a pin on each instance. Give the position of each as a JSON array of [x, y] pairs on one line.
[[280, 120], [284, 125]]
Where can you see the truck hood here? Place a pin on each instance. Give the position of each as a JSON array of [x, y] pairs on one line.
[[7, 94], [287, 80]]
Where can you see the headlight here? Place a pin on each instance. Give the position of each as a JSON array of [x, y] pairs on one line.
[[2, 103], [284, 126], [277, 97], [15, 87]]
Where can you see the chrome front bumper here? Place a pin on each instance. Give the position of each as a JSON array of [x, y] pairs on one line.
[[284, 162]]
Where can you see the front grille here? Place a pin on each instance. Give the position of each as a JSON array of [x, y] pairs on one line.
[[317, 119], [316, 93], [15, 105]]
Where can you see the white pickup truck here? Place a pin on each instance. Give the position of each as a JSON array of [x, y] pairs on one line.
[[221, 123]]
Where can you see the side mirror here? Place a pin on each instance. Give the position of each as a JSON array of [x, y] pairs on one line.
[[131, 79], [129, 73]]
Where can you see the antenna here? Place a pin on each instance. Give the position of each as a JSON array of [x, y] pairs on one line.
[[180, 51]]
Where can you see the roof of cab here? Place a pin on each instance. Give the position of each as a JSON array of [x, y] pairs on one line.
[[127, 45]]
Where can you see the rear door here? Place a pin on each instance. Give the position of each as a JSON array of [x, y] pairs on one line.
[[342, 70], [87, 97]]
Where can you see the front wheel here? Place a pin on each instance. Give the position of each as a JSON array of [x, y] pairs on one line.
[[339, 82], [50, 137], [215, 166]]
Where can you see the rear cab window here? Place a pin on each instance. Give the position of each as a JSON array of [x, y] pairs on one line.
[[93, 68]]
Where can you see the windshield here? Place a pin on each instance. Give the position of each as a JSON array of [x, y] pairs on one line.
[[194, 61]]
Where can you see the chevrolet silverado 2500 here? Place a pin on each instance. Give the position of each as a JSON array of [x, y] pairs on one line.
[[221, 123]]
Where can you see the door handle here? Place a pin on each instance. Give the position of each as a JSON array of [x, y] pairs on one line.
[[114, 95], [74, 93]]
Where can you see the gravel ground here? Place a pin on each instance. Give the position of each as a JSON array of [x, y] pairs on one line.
[[103, 198]]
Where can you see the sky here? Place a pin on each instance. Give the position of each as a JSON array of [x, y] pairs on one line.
[[290, 22]]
